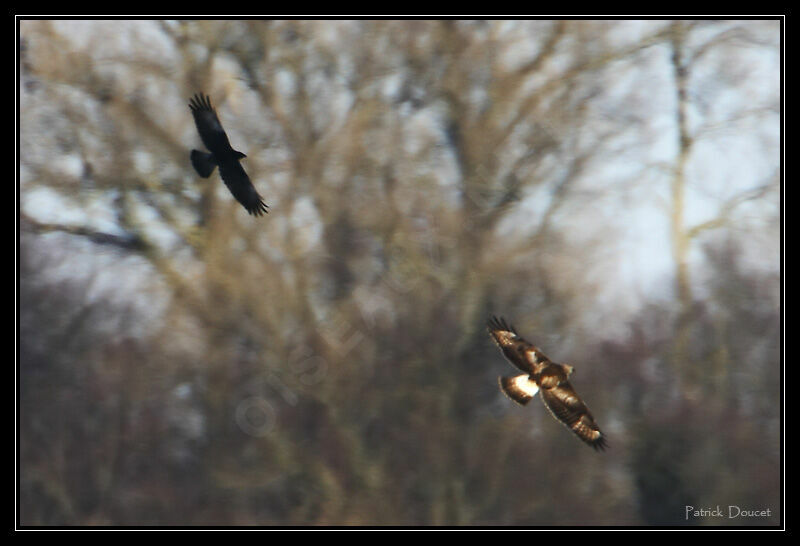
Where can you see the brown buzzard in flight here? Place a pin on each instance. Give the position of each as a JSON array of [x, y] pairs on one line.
[[222, 155], [551, 378]]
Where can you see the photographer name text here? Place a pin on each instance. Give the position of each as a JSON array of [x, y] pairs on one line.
[[732, 512]]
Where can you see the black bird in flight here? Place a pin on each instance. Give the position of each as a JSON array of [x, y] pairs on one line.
[[222, 155], [542, 374]]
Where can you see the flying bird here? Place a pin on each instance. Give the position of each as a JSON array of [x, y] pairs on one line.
[[222, 155], [542, 374]]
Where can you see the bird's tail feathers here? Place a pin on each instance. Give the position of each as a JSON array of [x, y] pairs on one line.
[[519, 388], [203, 162]]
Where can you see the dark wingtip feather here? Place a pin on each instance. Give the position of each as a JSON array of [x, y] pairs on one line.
[[200, 102], [260, 209], [600, 444], [499, 323]]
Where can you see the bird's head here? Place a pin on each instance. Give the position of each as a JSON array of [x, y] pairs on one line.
[[567, 369]]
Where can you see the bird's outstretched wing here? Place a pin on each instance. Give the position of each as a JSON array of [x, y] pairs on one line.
[[242, 189], [211, 132], [521, 353], [566, 406]]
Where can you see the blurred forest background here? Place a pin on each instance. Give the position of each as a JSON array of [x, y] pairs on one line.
[[610, 187]]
